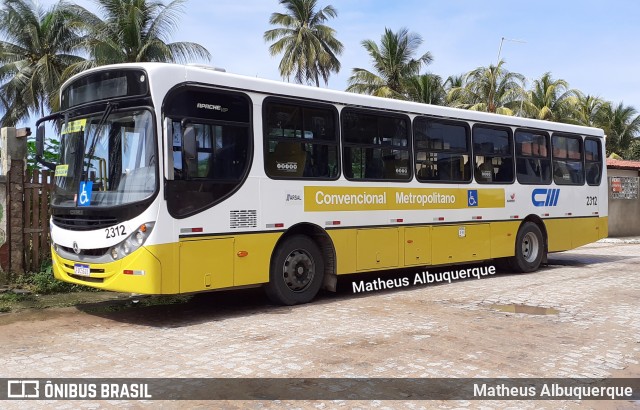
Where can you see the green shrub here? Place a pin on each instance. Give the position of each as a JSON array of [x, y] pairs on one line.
[[44, 283]]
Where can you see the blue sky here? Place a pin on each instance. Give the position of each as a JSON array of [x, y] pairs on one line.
[[594, 45]]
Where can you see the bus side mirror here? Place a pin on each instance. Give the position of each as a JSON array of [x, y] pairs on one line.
[[190, 150], [40, 135]]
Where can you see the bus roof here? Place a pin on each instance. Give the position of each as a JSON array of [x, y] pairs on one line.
[[209, 75]]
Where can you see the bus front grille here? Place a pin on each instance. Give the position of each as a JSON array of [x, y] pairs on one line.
[[87, 279], [83, 223], [87, 252]]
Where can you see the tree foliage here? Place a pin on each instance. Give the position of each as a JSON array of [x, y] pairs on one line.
[[310, 48], [132, 31], [42, 48], [39, 46], [393, 62]]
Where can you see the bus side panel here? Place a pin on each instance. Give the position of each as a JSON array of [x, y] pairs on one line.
[[559, 233], [344, 242], [604, 227], [377, 249], [254, 267], [460, 243], [503, 238], [169, 256], [417, 246], [206, 264], [584, 231]]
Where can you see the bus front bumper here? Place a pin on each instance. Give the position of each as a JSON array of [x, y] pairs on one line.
[[139, 272]]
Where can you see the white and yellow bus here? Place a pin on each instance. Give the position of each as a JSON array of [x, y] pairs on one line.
[[180, 179]]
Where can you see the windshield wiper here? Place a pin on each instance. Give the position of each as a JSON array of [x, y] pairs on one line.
[[94, 141]]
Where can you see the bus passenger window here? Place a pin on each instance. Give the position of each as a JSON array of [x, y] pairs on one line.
[[376, 146], [533, 165], [567, 160], [493, 155], [300, 140], [593, 161], [441, 150]]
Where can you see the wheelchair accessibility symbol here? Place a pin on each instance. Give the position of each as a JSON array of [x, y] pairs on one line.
[[84, 197], [472, 197]]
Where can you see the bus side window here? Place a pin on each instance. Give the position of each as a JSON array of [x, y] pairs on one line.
[[376, 145], [593, 161], [300, 140], [442, 150], [567, 160], [493, 152], [533, 165]]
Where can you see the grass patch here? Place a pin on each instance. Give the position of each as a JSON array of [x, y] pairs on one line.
[[10, 297], [9, 300], [44, 283]]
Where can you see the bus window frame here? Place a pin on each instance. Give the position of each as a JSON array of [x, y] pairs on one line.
[[303, 104], [547, 136], [380, 113], [512, 155], [600, 162], [580, 140], [468, 152]]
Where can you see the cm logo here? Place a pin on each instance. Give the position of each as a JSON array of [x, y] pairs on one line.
[[545, 197]]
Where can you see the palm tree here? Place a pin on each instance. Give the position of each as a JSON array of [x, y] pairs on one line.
[[621, 124], [310, 47], [39, 46], [393, 62], [426, 89], [136, 31], [491, 89], [452, 86], [586, 109], [549, 99]]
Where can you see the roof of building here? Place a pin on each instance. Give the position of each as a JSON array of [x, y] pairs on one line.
[[623, 164]]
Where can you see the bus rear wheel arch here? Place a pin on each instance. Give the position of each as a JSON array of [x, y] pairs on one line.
[[530, 248], [296, 272]]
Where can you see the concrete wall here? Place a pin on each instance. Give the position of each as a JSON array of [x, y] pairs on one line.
[[624, 214], [4, 246], [13, 163]]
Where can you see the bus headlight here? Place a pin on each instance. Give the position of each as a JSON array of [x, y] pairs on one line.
[[133, 241]]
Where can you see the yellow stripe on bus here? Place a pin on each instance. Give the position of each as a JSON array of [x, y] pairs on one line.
[[325, 198]]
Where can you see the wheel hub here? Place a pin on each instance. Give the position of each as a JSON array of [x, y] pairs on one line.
[[298, 270], [530, 247]]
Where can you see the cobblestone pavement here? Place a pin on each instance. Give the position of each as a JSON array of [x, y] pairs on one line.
[[445, 330]]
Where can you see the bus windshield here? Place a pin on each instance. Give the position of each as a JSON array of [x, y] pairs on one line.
[[107, 159]]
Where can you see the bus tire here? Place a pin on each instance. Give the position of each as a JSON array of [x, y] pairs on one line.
[[529, 249], [296, 272]]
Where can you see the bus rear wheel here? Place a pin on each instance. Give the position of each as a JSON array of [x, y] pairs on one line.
[[529, 249], [296, 273]]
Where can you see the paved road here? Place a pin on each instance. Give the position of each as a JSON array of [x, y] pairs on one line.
[[591, 329]]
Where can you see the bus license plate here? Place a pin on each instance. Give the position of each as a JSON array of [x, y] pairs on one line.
[[81, 269]]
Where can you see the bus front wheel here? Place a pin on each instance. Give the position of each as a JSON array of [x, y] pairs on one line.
[[296, 272], [529, 248]]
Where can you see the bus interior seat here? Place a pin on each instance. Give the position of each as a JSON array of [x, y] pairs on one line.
[[291, 158], [484, 171]]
